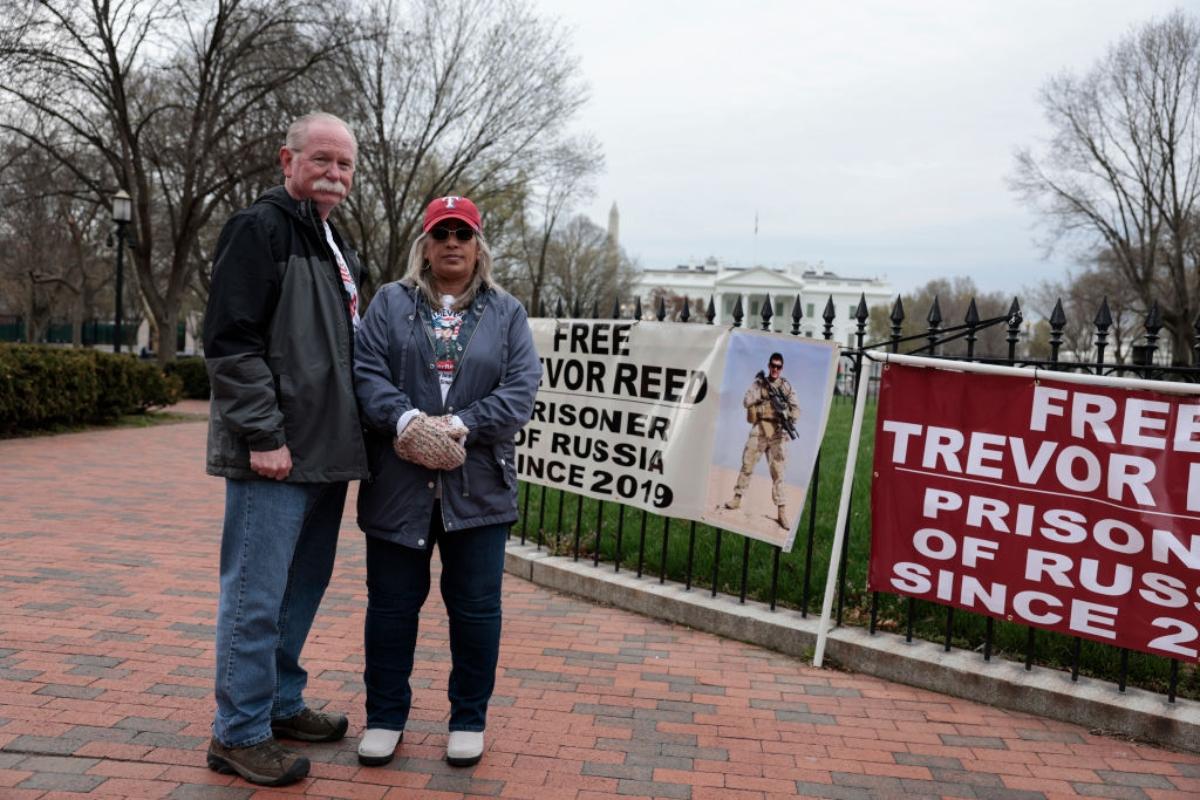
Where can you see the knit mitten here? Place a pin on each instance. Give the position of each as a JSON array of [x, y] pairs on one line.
[[428, 444], [451, 425]]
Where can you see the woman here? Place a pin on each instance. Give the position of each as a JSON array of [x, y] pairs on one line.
[[446, 374]]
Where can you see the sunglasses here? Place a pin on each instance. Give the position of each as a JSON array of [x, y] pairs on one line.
[[462, 234], [775, 366]]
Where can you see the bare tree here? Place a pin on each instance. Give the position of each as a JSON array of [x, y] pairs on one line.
[[180, 99], [585, 268], [447, 97], [1082, 295], [564, 180], [953, 298], [1121, 172], [50, 241]]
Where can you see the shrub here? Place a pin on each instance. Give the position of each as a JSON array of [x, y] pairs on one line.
[[194, 374], [45, 387]]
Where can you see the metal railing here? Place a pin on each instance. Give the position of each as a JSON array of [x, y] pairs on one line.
[[712, 557]]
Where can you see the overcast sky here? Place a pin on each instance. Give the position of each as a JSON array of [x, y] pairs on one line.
[[875, 137]]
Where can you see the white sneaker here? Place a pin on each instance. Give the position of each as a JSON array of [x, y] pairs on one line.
[[378, 746], [464, 748]]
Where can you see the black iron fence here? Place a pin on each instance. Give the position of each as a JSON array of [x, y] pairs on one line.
[[700, 556], [12, 328], [93, 332]]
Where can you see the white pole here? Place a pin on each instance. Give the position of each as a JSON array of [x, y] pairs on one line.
[[839, 530]]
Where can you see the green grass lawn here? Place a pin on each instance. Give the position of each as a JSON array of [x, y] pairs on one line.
[[549, 517]]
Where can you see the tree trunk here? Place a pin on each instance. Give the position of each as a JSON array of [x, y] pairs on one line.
[[167, 334], [1182, 341], [31, 309], [77, 321]]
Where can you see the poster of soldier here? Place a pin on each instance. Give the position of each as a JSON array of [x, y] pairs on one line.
[[697, 422], [774, 402]]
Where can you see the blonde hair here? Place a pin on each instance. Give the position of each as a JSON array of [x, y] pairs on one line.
[[420, 274]]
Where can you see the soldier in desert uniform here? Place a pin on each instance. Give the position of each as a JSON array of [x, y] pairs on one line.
[[771, 427]]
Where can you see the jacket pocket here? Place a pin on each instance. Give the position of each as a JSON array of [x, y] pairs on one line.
[[482, 476], [375, 453], [508, 469]]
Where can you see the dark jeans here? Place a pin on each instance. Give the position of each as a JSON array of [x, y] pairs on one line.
[[397, 585]]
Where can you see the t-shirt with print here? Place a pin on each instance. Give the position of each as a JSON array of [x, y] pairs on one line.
[[446, 325]]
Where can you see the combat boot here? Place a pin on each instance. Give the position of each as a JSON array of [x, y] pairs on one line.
[[782, 519], [736, 502]]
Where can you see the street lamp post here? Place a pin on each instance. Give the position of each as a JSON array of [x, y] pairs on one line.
[[122, 213]]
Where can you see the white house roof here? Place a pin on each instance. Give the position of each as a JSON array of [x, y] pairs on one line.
[[757, 278]]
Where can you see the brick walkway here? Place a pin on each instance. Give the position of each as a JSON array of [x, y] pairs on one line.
[[108, 546]]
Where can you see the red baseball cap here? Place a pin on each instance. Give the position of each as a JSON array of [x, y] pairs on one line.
[[452, 207]]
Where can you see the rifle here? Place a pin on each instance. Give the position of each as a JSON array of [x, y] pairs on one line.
[[779, 405]]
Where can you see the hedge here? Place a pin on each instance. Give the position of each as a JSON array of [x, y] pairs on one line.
[[192, 372], [48, 387]]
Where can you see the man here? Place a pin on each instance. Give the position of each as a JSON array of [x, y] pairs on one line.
[[284, 433], [771, 426]]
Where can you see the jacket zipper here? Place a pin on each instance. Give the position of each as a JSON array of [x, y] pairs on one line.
[[433, 348], [471, 338], [441, 493], [319, 224]]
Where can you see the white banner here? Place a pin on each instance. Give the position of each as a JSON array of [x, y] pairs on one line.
[[676, 419]]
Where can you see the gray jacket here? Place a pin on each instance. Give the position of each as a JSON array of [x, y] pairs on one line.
[[492, 393], [278, 346]]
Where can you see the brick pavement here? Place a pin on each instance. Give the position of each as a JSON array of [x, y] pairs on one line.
[[108, 543]]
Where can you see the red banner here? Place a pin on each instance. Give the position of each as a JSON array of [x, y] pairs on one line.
[[1068, 507]]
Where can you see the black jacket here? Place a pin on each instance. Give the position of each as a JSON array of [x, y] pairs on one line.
[[279, 346]]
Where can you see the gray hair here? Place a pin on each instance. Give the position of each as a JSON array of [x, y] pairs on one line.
[[419, 273], [297, 132]]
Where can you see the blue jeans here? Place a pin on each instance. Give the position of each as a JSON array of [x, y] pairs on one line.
[[397, 585], [277, 552]]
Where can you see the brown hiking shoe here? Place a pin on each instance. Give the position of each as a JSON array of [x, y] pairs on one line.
[[311, 726], [782, 519], [267, 763]]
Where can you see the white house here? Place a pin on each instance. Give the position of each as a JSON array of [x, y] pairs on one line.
[[724, 284]]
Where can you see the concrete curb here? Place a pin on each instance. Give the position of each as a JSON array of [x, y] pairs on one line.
[[1048, 693]]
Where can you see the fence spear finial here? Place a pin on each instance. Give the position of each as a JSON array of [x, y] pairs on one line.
[[828, 315]]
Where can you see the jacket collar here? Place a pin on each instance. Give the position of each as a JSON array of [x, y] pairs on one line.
[[304, 210], [482, 297]]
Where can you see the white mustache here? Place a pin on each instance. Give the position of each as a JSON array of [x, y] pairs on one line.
[[322, 185]]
